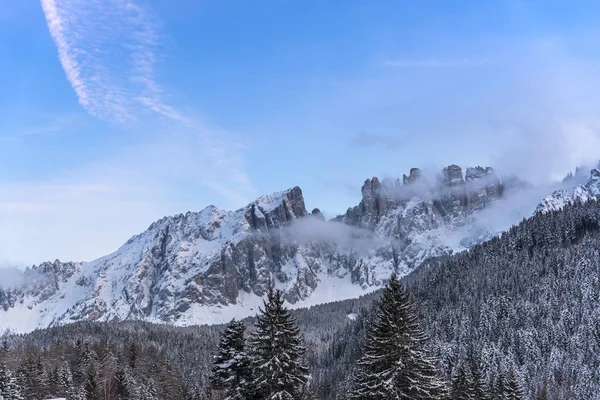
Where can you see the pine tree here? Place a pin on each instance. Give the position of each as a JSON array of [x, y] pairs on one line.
[[107, 371], [91, 386], [394, 364], [513, 389], [32, 377], [277, 352], [125, 386], [133, 355], [231, 368], [65, 381], [498, 389], [481, 389], [9, 387], [463, 385]]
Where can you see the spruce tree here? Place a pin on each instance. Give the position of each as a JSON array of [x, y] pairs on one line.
[[125, 386], [513, 389], [463, 385], [231, 368], [498, 389], [9, 387], [481, 388], [65, 381], [277, 353], [91, 386], [394, 364]]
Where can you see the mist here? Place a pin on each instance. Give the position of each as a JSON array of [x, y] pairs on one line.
[[12, 277], [345, 237], [517, 203]]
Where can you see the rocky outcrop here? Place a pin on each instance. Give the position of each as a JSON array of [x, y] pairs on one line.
[[413, 176], [483, 187], [415, 213], [317, 214], [377, 201], [453, 196]]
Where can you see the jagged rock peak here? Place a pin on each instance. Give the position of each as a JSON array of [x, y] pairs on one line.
[[188, 268], [274, 210], [452, 175], [371, 187], [292, 197], [317, 213], [414, 175], [478, 172]]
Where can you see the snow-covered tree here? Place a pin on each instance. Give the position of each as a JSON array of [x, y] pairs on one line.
[[513, 390], [463, 385], [480, 387], [277, 352], [9, 387], [64, 382], [394, 364], [231, 369], [125, 385]]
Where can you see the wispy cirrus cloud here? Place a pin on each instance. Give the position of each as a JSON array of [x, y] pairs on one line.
[[108, 50], [435, 63]]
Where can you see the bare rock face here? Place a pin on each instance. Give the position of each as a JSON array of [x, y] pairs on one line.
[[413, 213], [376, 202], [452, 193], [414, 176], [483, 187], [452, 175]]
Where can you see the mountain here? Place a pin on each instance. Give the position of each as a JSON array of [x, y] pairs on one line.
[[579, 193], [209, 266]]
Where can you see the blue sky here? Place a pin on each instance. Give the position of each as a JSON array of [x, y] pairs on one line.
[[115, 113]]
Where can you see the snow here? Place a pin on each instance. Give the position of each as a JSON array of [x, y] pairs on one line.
[[330, 289], [270, 202], [247, 305], [565, 196]]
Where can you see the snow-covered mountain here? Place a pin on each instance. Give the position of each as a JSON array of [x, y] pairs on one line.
[[569, 195], [208, 266]]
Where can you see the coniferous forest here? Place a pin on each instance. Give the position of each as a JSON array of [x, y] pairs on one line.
[[516, 317]]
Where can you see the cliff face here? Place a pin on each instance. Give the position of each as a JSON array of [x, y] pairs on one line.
[[452, 195]]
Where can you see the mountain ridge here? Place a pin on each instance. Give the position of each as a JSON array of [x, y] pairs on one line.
[[207, 266]]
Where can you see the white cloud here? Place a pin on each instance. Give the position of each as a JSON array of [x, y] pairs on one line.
[[108, 50]]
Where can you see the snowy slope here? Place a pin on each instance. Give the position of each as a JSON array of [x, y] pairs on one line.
[[209, 266], [569, 195]]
